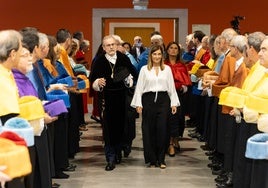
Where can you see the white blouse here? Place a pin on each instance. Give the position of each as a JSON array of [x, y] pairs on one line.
[[148, 81]]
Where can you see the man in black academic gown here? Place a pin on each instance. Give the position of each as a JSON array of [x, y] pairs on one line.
[[109, 78]]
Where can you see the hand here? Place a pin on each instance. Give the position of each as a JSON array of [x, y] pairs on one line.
[[204, 92], [184, 88], [57, 87], [3, 177], [236, 112], [48, 119], [139, 109], [173, 109], [102, 82]]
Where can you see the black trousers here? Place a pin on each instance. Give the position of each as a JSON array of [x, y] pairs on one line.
[[229, 142], [113, 122], [75, 118], [50, 138], [220, 130], [207, 114], [213, 124], [259, 174], [42, 175], [130, 125], [154, 125], [60, 143], [242, 165]]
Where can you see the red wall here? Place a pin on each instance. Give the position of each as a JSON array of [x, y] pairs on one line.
[[50, 15]]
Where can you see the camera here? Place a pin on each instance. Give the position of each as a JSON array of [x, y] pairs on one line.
[[239, 17], [235, 22]]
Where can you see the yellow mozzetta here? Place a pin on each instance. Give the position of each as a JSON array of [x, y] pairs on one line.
[[15, 157], [31, 109], [240, 95], [233, 96], [258, 99], [9, 93]]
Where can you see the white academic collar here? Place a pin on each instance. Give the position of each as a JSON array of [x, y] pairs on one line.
[[112, 59]]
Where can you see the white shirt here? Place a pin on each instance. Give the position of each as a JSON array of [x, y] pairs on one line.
[[148, 81], [238, 63]]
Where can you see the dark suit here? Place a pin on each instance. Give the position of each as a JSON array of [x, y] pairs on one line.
[[133, 52]]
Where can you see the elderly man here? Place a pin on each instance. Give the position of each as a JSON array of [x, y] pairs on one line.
[[10, 52], [113, 91], [143, 58]]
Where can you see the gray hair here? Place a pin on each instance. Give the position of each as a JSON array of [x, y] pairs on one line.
[[43, 39], [108, 37], [228, 34], [157, 37], [255, 39], [240, 42], [9, 40], [118, 39]]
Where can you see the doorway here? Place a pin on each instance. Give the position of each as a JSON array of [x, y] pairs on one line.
[[178, 17]]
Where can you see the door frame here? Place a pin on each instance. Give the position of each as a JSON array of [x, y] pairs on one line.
[[99, 14]]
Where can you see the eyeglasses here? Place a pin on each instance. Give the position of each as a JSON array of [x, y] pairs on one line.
[[110, 45], [25, 55]]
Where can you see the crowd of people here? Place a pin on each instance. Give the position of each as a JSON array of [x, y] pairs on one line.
[[217, 81]]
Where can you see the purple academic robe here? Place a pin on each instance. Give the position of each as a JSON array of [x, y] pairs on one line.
[[24, 85]]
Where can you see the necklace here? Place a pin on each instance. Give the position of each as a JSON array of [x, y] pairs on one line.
[[112, 68]]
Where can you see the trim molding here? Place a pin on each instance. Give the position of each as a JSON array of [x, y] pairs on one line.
[[156, 26], [99, 14]]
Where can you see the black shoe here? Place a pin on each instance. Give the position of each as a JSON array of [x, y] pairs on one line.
[[83, 128], [212, 157], [217, 167], [205, 147], [213, 164], [55, 185], [193, 130], [127, 151], [110, 167], [152, 165], [95, 118], [201, 139], [118, 160], [61, 175], [69, 168], [72, 165], [210, 153], [217, 172], [220, 179], [228, 183], [194, 135]]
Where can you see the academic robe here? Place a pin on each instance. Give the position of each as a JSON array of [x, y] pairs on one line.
[[242, 166], [240, 94], [225, 76], [114, 95], [237, 81], [9, 96], [65, 61], [40, 152], [180, 74], [24, 85]]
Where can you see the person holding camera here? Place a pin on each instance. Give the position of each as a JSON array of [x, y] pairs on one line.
[[137, 48]]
